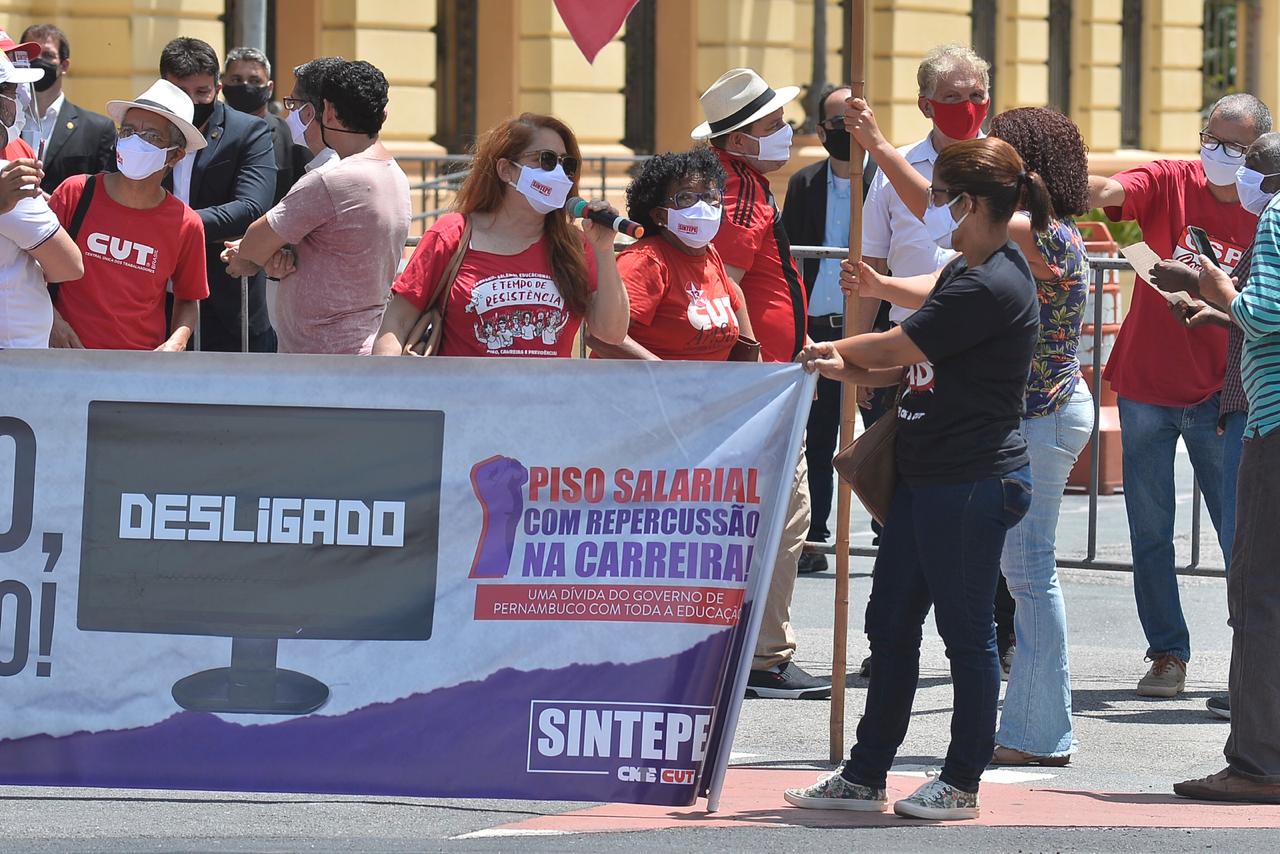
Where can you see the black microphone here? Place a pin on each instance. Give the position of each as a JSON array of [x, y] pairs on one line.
[[577, 207]]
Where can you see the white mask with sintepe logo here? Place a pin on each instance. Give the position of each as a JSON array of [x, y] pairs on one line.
[[546, 191], [696, 225]]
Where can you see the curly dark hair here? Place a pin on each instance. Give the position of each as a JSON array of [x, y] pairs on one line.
[[1050, 144], [648, 190], [358, 92]]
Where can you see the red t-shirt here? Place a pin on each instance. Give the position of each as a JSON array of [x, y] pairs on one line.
[[17, 149], [682, 306], [751, 238], [499, 305], [129, 256], [1156, 359]]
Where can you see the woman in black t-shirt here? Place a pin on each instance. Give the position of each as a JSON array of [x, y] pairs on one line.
[[964, 477]]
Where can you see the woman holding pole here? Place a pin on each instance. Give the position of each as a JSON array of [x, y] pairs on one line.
[[964, 478]]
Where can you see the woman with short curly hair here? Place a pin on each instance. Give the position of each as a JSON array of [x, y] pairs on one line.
[[1035, 727], [683, 303]]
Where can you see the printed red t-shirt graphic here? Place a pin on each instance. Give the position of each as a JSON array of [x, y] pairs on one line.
[[1156, 359], [129, 257], [499, 305]]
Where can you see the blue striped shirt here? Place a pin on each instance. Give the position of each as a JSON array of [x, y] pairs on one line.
[[1257, 312]]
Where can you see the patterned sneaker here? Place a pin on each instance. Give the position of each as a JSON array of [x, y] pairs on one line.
[[938, 801], [837, 793], [1166, 678]]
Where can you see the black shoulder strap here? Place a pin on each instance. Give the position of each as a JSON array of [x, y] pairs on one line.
[[82, 207], [77, 219]]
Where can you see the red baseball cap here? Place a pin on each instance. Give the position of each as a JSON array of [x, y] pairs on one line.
[[8, 45]]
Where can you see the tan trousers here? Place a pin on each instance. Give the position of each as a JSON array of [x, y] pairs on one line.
[[777, 641]]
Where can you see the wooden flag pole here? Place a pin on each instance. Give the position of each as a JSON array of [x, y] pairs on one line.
[[848, 403]]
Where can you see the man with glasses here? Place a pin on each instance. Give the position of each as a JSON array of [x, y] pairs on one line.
[[134, 235], [304, 105], [1168, 376], [347, 224]]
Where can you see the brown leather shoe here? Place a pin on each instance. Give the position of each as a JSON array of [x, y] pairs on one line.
[[1009, 756], [1227, 785]]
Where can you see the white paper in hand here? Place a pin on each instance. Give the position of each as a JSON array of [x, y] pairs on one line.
[[1144, 260]]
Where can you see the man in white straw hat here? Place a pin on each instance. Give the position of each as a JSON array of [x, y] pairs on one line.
[[135, 236], [747, 132]]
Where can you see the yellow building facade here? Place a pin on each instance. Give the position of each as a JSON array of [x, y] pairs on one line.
[[1129, 72]]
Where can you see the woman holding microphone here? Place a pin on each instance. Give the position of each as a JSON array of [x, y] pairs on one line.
[[964, 478], [527, 278]]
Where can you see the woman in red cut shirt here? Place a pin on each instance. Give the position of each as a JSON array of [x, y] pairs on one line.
[[528, 279], [683, 304]]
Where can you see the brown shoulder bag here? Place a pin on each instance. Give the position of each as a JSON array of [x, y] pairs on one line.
[[869, 466], [424, 338]]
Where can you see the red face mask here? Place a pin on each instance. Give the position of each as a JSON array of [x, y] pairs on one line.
[[959, 121]]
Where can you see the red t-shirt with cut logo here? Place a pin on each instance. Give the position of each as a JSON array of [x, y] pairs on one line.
[[682, 306], [499, 305], [1156, 359], [751, 238], [129, 257]]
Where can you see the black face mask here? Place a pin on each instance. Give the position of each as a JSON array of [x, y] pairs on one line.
[[50, 70], [837, 144], [245, 98], [202, 113]]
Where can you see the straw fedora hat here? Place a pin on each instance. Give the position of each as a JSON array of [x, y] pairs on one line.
[[737, 99], [167, 101]]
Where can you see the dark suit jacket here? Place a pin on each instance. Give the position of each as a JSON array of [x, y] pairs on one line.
[[805, 215], [82, 143], [232, 184], [291, 160]]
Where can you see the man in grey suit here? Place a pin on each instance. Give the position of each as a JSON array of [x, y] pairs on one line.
[[230, 183], [76, 141]]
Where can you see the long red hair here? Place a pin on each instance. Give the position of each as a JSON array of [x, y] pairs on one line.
[[483, 191]]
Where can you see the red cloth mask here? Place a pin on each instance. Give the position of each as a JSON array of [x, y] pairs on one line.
[[959, 121]]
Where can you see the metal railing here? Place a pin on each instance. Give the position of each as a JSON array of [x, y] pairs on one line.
[[1099, 267], [434, 180]]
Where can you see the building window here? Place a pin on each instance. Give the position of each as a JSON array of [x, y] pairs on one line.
[[982, 35], [1131, 75], [641, 85], [1223, 72], [1060, 55], [455, 74]]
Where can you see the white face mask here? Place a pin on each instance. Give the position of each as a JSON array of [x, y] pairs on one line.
[[546, 191], [138, 158], [1253, 198], [297, 129], [776, 147], [696, 226], [19, 118], [940, 224], [1220, 167]]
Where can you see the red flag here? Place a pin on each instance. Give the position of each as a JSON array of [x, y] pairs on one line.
[[594, 23]]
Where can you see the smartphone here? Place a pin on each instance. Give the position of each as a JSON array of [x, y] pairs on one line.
[[1201, 242]]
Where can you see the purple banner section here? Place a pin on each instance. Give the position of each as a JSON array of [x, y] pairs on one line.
[[477, 739]]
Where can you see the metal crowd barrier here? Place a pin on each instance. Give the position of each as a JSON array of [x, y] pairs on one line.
[[1099, 268]]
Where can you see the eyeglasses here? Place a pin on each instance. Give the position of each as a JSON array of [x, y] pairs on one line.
[[1212, 143], [547, 160], [295, 104], [152, 137], [688, 198], [946, 196]]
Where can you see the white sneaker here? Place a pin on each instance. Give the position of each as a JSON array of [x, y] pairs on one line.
[[938, 801]]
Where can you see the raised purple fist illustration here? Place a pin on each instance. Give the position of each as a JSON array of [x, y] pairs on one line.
[[499, 486]]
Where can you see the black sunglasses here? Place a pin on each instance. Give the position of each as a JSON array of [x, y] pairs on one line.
[[547, 160]]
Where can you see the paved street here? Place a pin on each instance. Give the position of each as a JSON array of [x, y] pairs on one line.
[[1115, 796]]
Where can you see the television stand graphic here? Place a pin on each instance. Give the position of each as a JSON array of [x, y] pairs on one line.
[[253, 684], [259, 524]]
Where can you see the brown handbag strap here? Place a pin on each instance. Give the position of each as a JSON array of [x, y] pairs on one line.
[[451, 271]]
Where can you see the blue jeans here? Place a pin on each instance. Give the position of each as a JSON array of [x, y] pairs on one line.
[[941, 546], [1149, 435], [1037, 702], [1232, 447]]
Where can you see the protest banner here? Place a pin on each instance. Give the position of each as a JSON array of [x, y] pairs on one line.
[[455, 578]]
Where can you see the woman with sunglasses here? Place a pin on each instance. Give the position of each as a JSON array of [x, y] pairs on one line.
[[964, 478], [683, 305], [523, 254], [1035, 727]]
